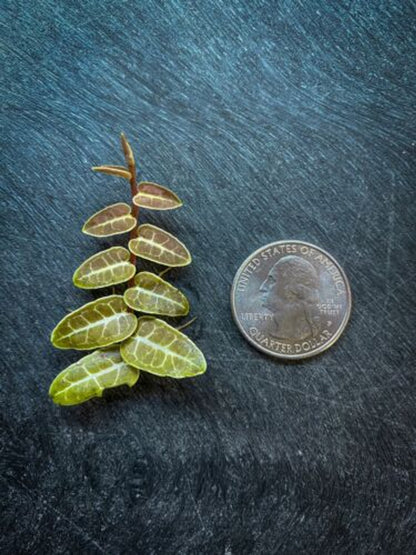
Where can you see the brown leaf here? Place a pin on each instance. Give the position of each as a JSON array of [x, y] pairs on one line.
[[119, 171], [128, 152], [157, 245], [111, 220], [155, 197]]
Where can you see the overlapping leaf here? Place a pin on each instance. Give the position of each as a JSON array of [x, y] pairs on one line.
[[105, 268], [160, 349], [96, 324], [118, 171], [154, 295], [154, 196], [88, 377], [112, 220], [159, 246]]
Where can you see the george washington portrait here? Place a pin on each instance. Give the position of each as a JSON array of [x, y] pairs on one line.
[[291, 293]]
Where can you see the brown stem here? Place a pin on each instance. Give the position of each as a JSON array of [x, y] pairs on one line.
[[131, 164]]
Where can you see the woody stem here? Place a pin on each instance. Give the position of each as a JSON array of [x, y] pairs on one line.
[[131, 164]]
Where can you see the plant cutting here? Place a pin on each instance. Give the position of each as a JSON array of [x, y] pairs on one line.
[[124, 343]]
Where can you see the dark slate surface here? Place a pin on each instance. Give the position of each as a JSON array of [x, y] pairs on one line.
[[272, 120]]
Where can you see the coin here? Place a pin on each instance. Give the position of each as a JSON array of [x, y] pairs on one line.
[[291, 299]]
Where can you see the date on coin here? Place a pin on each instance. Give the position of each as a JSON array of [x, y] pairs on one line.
[[291, 299]]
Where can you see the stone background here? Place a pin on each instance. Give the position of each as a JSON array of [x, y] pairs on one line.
[[271, 120]]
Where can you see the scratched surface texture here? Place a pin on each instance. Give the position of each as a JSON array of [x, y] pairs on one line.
[[271, 120]]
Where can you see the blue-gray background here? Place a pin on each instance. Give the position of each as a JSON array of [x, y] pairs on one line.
[[272, 120]]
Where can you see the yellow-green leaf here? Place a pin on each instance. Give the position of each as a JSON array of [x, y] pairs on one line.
[[154, 295], [105, 268], [154, 196], [96, 324], [111, 220], [159, 246], [118, 171], [88, 377], [160, 349]]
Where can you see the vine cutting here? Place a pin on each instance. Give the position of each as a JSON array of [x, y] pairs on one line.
[[122, 342]]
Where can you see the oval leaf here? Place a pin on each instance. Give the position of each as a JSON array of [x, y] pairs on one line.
[[119, 171], [112, 220], [155, 197], [160, 349], [159, 246], [105, 268], [88, 377], [154, 295], [97, 324]]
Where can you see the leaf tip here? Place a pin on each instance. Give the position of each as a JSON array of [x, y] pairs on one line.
[[188, 260], [128, 152], [52, 338], [52, 392], [187, 307], [74, 279]]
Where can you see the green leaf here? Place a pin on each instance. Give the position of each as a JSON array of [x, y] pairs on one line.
[[111, 220], [160, 349], [88, 377], [118, 171], [154, 295], [96, 324], [155, 197], [157, 245], [105, 268]]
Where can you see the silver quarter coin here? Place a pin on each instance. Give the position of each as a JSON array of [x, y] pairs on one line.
[[291, 299]]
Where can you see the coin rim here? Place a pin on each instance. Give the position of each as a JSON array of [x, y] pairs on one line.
[[317, 350]]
